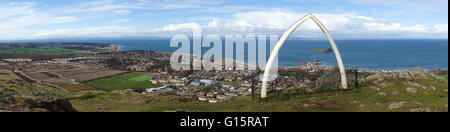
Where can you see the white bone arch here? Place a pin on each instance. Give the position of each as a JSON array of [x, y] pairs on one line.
[[284, 38]]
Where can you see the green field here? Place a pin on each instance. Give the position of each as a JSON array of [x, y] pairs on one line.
[[124, 81], [48, 50], [143, 78]]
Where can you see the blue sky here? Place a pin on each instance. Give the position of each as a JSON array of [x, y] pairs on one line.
[[346, 19]]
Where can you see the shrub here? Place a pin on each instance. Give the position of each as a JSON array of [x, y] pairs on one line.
[[139, 90], [86, 97]]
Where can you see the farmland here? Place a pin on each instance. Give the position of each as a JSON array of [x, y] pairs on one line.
[[47, 77], [64, 74], [76, 88], [124, 81], [8, 75], [87, 74]]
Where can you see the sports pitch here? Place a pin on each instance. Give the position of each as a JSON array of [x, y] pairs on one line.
[[124, 81]]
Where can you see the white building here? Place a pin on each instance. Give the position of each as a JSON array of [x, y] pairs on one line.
[[214, 101], [208, 82], [203, 99]]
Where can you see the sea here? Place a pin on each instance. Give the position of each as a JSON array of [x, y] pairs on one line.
[[376, 54]]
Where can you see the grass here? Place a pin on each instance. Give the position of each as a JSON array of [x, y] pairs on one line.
[[122, 82], [143, 78], [49, 51]]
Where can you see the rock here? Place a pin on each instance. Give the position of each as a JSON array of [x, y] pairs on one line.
[[429, 88], [404, 75], [332, 78], [411, 90], [309, 90], [382, 94], [398, 105], [409, 74], [49, 102], [415, 73], [432, 88], [415, 84], [323, 50], [146, 100], [421, 110], [396, 93], [384, 85], [376, 88], [37, 101]]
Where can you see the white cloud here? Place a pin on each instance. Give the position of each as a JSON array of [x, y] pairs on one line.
[[408, 6], [23, 14], [34, 19], [238, 24], [267, 23], [267, 19], [124, 7], [104, 5], [441, 28], [121, 21], [214, 23], [348, 25], [176, 27], [16, 9], [105, 31], [123, 11], [226, 9]]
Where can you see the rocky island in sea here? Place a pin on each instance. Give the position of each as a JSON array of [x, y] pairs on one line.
[[324, 50]]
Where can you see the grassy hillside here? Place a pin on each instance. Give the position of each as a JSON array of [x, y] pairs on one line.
[[364, 99], [379, 95]]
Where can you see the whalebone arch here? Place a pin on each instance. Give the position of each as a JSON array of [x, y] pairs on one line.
[[283, 39]]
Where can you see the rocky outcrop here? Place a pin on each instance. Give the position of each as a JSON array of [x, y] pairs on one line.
[[36, 101], [409, 74], [323, 50], [333, 78], [421, 110], [397, 105], [412, 90]]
